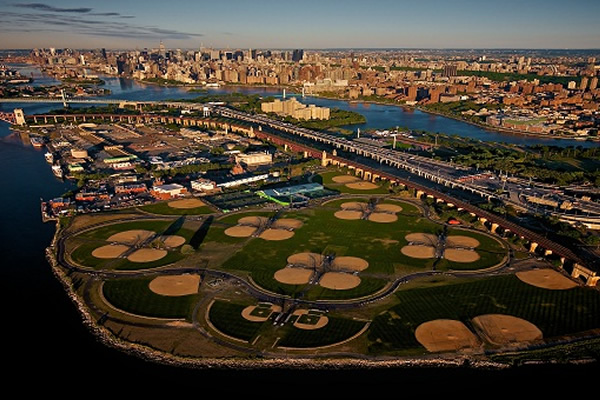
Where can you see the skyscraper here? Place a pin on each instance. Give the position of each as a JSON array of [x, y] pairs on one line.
[[594, 83], [450, 70], [297, 55], [583, 83]]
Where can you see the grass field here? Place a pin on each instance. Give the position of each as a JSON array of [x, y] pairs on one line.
[[227, 318], [164, 209], [490, 250], [322, 232], [327, 181], [134, 296], [336, 330], [96, 238], [555, 312]]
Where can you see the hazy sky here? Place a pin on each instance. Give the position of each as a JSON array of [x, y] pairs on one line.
[[301, 23]]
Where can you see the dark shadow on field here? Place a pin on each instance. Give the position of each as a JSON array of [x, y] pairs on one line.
[[317, 179], [175, 226], [200, 234]]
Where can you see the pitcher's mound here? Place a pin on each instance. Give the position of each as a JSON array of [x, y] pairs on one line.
[[460, 255], [546, 278], [392, 208], [287, 223], [503, 329], [351, 263], [175, 285], [339, 281], [146, 255], [461, 241], [309, 321], [344, 179], [350, 215], [276, 234], [445, 335], [132, 236], [418, 251], [254, 221], [110, 251], [259, 314], [310, 260], [240, 231], [427, 238], [362, 185], [186, 203], [354, 205], [382, 217], [173, 240], [293, 276]]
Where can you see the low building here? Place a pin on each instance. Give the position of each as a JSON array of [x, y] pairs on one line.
[[244, 180], [203, 185], [131, 188], [254, 159], [168, 191]]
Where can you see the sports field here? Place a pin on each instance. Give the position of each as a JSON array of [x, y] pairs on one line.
[[164, 208], [554, 312]]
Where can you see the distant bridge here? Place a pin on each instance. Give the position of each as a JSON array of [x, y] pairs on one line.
[[61, 101]]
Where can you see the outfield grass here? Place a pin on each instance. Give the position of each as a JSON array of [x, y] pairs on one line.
[[336, 330], [171, 257], [163, 208], [227, 318], [327, 181], [134, 296], [555, 312], [109, 230]]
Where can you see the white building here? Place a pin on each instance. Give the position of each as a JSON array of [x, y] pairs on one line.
[[254, 159], [203, 185]]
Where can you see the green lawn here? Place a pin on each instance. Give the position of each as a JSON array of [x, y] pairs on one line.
[[555, 312], [164, 209], [134, 296], [109, 230], [336, 330], [490, 250], [227, 318]]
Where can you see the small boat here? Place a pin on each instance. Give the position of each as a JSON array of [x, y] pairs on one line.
[[212, 85], [49, 157], [37, 141], [57, 171]]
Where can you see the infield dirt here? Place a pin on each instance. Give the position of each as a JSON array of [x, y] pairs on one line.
[[547, 279], [445, 335]]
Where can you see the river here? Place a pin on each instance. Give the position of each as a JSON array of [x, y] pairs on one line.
[[44, 336]]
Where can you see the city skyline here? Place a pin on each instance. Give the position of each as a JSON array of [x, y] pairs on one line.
[[270, 24]]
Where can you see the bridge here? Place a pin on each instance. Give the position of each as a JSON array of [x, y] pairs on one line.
[[60, 100]]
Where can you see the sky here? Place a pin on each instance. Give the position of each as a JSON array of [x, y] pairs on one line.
[[310, 24]]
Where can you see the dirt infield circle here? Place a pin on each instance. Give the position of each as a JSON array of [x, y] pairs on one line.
[[351, 263], [392, 208], [247, 313], [287, 223], [323, 320], [175, 285], [461, 241], [354, 205], [348, 215], [339, 281], [240, 231], [382, 217], [461, 255], [132, 236], [418, 251], [345, 179], [310, 260], [428, 238], [185, 203], [146, 255], [503, 329], [173, 240], [110, 251], [293, 276], [253, 221], [276, 234], [546, 278], [362, 185], [445, 335]]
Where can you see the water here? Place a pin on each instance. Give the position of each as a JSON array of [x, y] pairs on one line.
[[42, 330]]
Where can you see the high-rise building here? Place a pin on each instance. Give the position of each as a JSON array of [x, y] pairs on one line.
[[583, 83], [450, 70], [298, 55], [594, 83], [411, 93]]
